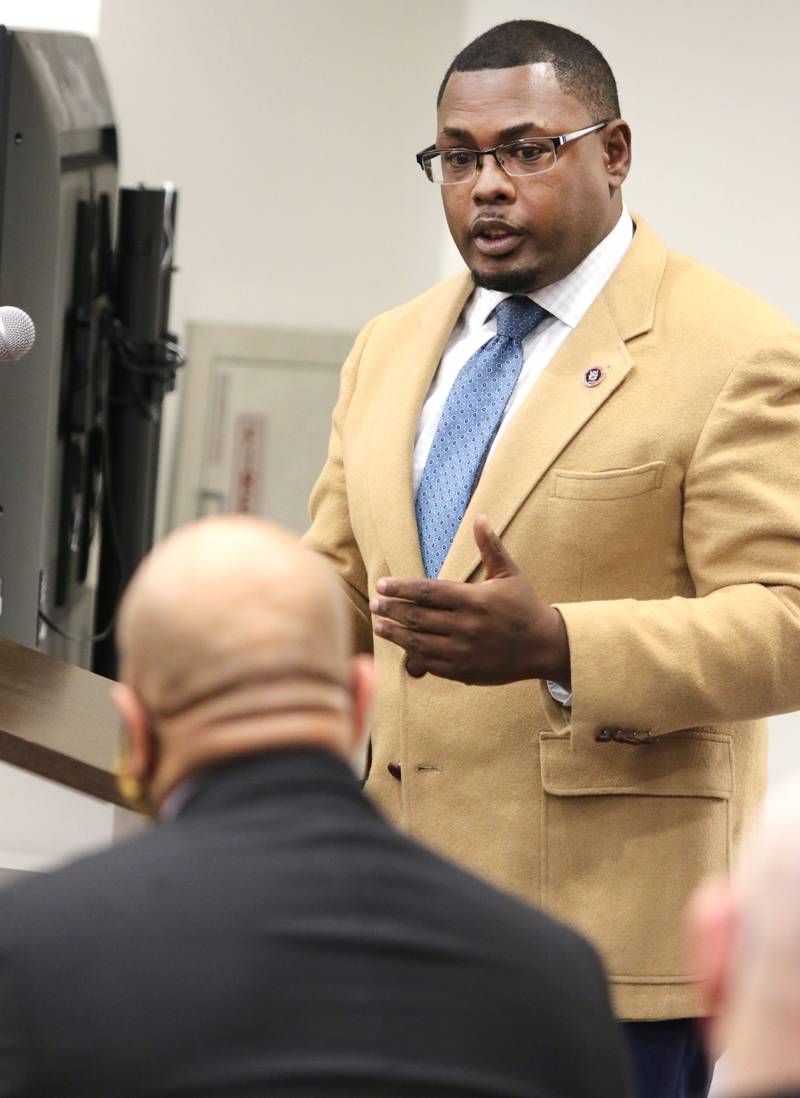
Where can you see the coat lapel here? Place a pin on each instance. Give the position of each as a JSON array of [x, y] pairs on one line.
[[560, 404], [557, 407], [406, 378]]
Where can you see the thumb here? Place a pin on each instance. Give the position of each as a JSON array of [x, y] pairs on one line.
[[496, 559]]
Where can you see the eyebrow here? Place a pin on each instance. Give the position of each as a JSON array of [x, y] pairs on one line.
[[508, 134]]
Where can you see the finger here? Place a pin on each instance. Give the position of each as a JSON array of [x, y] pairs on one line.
[[413, 616], [438, 594], [497, 561], [420, 646], [418, 667]]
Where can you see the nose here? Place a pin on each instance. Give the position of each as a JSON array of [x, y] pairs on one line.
[[492, 183]]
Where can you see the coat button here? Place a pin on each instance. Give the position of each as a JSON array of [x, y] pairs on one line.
[[395, 770], [604, 735]]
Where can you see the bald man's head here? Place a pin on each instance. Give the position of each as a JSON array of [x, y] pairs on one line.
[[746, 942], [233, 638]]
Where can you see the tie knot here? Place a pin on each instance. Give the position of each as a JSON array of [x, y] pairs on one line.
[[517, 317]]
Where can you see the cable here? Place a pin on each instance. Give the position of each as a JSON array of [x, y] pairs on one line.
[[159, 361], [94, 638], [86, 638], [169, 232]]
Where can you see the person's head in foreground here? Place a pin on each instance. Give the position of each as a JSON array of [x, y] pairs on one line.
[[233, 639], [303, 944], [746, 943]]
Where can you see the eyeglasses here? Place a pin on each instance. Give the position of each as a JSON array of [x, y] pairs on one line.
[[528, 156]]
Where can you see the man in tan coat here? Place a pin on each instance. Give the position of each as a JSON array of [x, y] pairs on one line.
[[563, 495]]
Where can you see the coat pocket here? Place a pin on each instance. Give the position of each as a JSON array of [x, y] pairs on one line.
[[628, 834], [697, 762], [613, 484]]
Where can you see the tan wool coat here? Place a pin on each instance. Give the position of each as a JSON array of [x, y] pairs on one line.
[[660, 510]]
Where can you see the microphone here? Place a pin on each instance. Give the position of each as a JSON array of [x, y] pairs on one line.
[[17, 333]]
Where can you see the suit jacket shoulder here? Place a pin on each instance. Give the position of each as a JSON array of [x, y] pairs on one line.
[[700, 297], [657, 288]]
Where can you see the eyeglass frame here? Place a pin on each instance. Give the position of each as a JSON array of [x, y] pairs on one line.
[[559, 142]]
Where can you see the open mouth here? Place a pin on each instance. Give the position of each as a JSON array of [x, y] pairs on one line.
[[494, 237]]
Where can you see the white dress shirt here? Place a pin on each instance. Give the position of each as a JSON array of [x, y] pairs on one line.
[[566, 301]]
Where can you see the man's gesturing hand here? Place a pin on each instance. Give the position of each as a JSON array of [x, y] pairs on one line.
[[485, 633]]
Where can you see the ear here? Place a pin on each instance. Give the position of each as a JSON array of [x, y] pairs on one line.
[[712, 919], [362, 688], [136, 722], [617, 151]]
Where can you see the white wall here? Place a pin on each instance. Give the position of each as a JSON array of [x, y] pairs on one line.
[[289, 129], [80, 16], [42, 823]]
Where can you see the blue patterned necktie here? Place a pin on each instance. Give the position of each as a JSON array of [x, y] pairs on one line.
[[470, 419]]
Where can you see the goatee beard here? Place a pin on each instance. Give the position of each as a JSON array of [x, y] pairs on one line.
[[514, 282]]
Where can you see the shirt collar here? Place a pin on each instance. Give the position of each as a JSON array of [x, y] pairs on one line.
[[570, 297]]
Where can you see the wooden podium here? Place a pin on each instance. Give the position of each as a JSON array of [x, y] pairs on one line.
[[57, 720]]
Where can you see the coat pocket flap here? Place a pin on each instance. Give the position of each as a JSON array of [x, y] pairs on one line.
[[694, 763], [614, 484]]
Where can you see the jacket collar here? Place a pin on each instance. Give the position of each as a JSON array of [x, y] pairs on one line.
[[265, 775]]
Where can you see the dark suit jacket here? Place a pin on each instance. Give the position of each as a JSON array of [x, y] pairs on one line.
[[280, 938]]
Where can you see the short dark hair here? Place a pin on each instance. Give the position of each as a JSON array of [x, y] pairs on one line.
[[580, 68]]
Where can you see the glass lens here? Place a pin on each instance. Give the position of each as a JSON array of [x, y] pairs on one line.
[[527, 157], [453, 166]]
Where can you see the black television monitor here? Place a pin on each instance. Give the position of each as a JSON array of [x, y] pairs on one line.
[[58, 183]]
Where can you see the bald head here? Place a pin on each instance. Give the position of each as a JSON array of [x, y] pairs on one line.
[[746, 941], [767, 891], [233, 638]]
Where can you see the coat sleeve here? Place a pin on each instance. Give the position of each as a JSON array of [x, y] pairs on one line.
[[331, 532], [730, 652]]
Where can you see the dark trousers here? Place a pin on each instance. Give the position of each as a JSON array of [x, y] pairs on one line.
[[668, 1059]]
